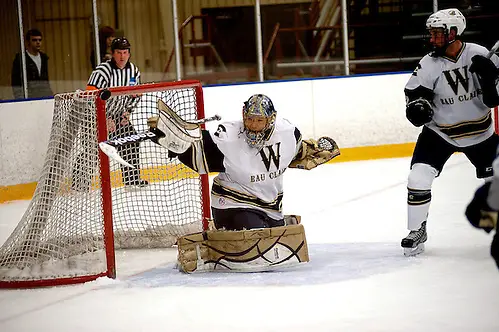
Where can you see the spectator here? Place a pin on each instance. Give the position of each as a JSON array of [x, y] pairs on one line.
[[106, 37], [37, 72]]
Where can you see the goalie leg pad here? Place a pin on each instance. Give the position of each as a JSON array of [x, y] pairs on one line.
[[252, 250]]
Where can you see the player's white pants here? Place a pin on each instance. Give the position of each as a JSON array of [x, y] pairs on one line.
[[419, 185]]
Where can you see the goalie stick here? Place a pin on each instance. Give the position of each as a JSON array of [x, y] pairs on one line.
[[109, 146]]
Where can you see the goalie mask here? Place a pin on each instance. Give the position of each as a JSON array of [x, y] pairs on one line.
[[259, 117], [439, 26]]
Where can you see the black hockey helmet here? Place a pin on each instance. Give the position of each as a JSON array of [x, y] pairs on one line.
[[120, 44]]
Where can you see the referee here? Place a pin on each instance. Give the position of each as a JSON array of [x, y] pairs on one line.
[[119, 71]]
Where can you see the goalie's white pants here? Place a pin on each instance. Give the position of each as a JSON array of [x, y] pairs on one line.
[[421, 177]]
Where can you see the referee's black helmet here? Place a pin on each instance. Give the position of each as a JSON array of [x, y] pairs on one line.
[[120, 44]]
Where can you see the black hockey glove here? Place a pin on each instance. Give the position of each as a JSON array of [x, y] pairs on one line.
[[479, 213], [419, 112], [484, 68], [487, 74]]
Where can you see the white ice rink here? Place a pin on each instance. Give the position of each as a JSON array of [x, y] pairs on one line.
[[357, 279]]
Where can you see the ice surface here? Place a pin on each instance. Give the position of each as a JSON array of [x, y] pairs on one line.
[[357, 280]]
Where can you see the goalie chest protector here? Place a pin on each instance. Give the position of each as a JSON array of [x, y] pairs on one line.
[[253, 176]]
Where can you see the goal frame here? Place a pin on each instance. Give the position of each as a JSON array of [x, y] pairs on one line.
[[105, 171], [105, 178]]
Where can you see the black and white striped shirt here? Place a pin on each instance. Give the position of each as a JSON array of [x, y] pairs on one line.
[[107, 75]]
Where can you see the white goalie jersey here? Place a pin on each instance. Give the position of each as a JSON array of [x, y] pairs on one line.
[[249, 177], [460, 116]]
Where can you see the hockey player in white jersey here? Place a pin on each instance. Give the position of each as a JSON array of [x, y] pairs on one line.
[[450, 94]]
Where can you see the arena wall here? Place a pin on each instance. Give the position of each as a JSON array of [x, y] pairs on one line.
[[364, 114]]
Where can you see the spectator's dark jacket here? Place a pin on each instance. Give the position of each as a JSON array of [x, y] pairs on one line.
[[38, 84]]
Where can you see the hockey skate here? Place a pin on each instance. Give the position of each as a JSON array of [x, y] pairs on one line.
[[413, 243]]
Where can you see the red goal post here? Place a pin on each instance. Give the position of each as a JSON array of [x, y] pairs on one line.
[[86, 206]]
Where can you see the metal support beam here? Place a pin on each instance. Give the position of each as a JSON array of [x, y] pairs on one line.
[[259, 49], [23, 49], [96, 32], [178, 64], [344, 24]]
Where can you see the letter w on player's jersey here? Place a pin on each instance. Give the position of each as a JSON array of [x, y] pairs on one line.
[[272, 156], [460, 78]]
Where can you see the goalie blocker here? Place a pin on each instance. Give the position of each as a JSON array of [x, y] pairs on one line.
[[255, 250], [167, 129]]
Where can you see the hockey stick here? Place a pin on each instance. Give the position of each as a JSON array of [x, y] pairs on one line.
[[493, 49], [109, 146]]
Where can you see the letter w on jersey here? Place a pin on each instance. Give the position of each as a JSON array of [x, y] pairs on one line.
[[272, 155], [459, 78]]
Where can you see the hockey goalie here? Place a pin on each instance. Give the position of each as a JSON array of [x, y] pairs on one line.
[[250, 231]]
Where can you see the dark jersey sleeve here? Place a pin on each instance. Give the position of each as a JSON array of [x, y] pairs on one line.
[[297, 136], [419, 92], [214, 157]]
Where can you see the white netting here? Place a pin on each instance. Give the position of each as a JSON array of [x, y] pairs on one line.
[[61, 233]]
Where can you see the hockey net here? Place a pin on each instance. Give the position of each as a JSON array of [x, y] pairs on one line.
[[85, 206]]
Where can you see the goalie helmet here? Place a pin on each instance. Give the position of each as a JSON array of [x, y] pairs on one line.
[[445, 19], [259, 117]]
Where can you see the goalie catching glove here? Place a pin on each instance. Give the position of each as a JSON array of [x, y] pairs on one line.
[[314, 153], [174, 133]]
